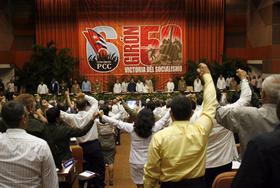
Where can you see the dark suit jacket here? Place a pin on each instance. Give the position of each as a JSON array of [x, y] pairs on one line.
[[53, 87], [131, 87], [260, 166], [59, 141]]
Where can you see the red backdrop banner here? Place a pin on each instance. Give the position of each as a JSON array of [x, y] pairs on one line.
[[132, 37]]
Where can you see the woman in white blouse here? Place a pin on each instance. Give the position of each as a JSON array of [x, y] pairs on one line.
[[141, 134]]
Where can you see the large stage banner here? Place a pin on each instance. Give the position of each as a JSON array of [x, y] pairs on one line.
[[132, 44], [139, 48]]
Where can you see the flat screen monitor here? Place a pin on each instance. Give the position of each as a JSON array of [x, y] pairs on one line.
[[132, 103]]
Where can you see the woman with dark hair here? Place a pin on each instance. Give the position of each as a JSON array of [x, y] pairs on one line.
[[141, 134]]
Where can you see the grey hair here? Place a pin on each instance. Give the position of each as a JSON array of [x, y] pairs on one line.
[[271, 86], [168, 103]]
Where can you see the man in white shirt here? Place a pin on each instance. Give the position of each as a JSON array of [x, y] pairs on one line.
[[124, 86], [221, 148], [117, 87], [197, 87], [91, 147], [249, 122], [25, 160], [170, 85], [139, 86], [42, 89], [221, 83]]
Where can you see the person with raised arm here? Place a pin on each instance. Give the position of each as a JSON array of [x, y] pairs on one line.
[[177, 154]]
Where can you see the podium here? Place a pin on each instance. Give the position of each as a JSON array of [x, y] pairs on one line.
[[68, 176]]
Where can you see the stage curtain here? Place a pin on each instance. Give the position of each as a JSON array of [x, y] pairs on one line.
[[63, 22], [56, 20], [205, 29]]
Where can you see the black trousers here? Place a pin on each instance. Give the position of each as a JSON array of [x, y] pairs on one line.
[[190, 183], [211, 173], [94, 161]]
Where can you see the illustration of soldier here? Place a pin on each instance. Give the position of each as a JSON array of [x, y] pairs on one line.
[[170, 52]]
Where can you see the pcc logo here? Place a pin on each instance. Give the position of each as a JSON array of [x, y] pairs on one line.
[[102, 56]]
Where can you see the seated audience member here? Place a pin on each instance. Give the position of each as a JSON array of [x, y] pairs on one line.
[[106, 139], [131, 87], [182, 84], [260, 165], [25, 160], [170, 85], [140, 133], [60, 135], [117, 87], [42, 89], [92, 151], [249, 122], [176, 155]]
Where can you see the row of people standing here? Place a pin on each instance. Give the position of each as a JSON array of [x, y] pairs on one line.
[[140, 87], [231, 84], [72, 86]]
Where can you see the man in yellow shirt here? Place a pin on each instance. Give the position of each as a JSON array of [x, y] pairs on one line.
[[177, 154]]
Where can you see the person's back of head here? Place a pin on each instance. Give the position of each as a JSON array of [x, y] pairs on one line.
[[144, 123], [105, 109], [168, 103], [27, 100], [150, 105], [157, 103], [181, 108], [271, 87], [81, 104], [52, 114], [12, 114]]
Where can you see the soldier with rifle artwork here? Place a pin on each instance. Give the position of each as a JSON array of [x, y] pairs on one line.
[[170, 52]]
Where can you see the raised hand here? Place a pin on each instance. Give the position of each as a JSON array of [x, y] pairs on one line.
[[202, 69]]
